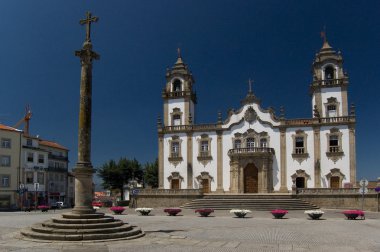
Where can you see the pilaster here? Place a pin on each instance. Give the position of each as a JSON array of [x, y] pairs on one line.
[[166, 113], [283, 187], [317, 157], [352, 154], [344, 101], [190, 160], [160, 162], [219, 162]]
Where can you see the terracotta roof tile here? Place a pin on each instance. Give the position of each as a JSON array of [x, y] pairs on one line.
[[5, 127], [52, 144]]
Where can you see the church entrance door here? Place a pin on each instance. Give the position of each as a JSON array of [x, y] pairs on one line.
[[251, 179], [206, 186], [334, 182], [175, 184], [300, 182]]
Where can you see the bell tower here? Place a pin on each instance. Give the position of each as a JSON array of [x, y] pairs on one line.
[[178, 95], [329, 86]]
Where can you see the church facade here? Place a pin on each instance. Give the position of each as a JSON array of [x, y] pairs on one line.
[[253, 150]]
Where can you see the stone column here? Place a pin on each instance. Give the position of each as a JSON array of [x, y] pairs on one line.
[[264, 187], [352, 154], [160, 161], [83, 170], [317, 157], [189, 160], [318, 102], [283, 170], [234, 176], [219, 162]]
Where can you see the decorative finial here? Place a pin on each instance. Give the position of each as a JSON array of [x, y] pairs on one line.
[[219, 117], [179, 52], [190, 119], [282, 112], [250, 82], [316, 112], [352, 109], [323, 34], [89, 19], [159, 122]]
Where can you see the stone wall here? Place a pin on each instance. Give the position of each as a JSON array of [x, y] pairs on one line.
[[166, 197], [340, 198]]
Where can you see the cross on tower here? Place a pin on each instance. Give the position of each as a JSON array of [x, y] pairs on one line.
[[87, 22], [323, 34], [250, 82]]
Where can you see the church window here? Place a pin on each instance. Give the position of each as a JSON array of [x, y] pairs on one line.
[[177, 85], [250, 142], [175, 149], [204, 155], [334, 141], [300, 146], [176, 116], [237, 144], [331, 106]]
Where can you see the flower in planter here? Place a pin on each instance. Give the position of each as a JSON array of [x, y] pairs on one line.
[[240, 213], [144, 210], [279, 213], [172, 211], [43, 208], [117, 209], [314, 214], [353, 214], [204, 212]]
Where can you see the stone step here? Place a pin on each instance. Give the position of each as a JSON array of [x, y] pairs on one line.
[[82, 216], [83, 230], [104, 219], [133, 233], [52, 224]]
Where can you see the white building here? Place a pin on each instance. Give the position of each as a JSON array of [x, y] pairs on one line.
[[253, 150]]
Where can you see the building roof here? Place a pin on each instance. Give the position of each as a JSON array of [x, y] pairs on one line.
[[52, 144], [5, 127]]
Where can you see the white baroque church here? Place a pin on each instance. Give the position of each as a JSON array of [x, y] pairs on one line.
[[253, 150]]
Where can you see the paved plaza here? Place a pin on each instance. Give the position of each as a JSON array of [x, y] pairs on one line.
[[220, 232]]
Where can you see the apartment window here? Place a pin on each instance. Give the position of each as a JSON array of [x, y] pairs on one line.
[[5, 179], [6, 143], [29, 142], [29, 177], [41, 159], [41, 178], [30, 157], [5, 161]]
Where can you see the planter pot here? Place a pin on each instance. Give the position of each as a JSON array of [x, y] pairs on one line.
[[278, 215], [145, 212], [315, 216], [118, 212], [240, 215], [172, 212], [204, 214]]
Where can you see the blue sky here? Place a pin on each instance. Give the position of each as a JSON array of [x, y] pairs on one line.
[[223, 42]]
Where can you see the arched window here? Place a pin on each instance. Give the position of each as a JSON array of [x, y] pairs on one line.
[[177, 85], [329, 73]]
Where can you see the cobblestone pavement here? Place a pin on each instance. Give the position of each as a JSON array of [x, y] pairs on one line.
[[219, 232]]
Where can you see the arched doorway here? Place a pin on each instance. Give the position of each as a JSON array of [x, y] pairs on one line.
[[251, 179], [300, 182]]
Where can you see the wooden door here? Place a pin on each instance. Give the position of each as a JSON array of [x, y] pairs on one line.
[[300, 182], [334, 182], [206, 186], [251, 179], [175, 184]]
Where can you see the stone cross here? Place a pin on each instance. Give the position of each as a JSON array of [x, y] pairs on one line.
[[250, 82], [89, 19]]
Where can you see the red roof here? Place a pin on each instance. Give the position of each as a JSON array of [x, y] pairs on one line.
[[4, 127], [52, 144]]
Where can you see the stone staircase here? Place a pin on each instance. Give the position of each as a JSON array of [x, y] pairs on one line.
[[259, 202]]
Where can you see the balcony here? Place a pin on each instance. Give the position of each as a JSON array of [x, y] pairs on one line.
[[57, 169], [251, 150], [316, 121], [329, 83], [179, 94], [56, 157]]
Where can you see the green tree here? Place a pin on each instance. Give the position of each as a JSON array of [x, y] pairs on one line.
[[151, 174], [116, 175]]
